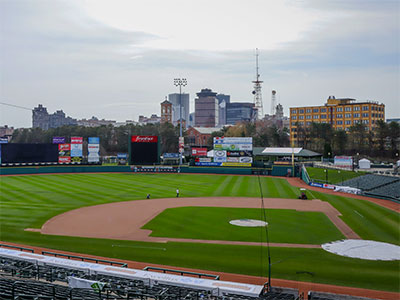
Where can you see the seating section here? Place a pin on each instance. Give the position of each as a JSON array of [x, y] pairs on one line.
[[392, 190], [370, 181], [27, 280]]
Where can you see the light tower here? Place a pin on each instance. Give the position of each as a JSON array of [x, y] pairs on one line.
[[257, 92], [273, 102]]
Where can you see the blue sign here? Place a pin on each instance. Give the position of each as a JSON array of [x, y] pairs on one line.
[[316, 184], [122, 155], [171, 155], [3, 140], [94, 140], [209, 164]]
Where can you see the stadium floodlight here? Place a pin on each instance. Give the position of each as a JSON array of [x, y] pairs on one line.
[[180, 82]]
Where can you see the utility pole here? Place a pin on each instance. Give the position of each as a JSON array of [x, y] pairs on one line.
[[180, 82]]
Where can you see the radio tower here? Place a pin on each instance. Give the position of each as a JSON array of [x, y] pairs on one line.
[[257, 92]]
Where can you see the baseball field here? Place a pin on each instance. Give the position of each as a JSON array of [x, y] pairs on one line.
[[199, 236]]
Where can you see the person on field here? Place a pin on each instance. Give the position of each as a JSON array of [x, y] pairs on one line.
[[177, 192], [148, 196]]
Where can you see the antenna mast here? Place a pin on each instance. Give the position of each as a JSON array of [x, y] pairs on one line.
[[257, 92]]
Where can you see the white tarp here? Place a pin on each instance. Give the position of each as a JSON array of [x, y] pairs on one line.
[[347, 189], [363, 249], [282, 150]]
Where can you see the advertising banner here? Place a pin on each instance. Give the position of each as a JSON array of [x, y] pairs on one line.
[[343, 161], [232, 159], [93, 150], [233, 140], [3, 140], [144, 139], [239, 164], [203, 159], [233, 147], [317, 184], [208, 164], [64, 153], [219, 156], [245, 159], [239, 153], [94, 140], [171, 155], [58, 140], [181, 144], [199, 151]]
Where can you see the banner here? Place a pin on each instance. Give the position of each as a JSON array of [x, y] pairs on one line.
[[171, 155], [208, 164], [3, 140], [80, 283], [199, 151], [239, 164], [94, 150], [76, 149], [239, 153], [58, 140], [144, 139], [219, 156], [181, 144], [64, 153]]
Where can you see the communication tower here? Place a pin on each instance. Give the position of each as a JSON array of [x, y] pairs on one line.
[[257, 92], [273, 102]]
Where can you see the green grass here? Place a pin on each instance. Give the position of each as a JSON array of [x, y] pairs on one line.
[[334, 176], [29, 201], [212, 223]]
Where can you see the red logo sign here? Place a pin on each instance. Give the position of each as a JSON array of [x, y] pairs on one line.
[[76, 140], [199, 151], [144, 138]]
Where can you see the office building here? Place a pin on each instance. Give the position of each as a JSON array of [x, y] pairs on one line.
[[175, 101], [341, 113], [206, 109], [240, 111]]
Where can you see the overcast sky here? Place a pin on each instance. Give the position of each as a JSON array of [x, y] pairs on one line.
[[117, 59]]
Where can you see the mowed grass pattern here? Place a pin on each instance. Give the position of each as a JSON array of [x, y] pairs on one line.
[[212, 223], [29, 201]]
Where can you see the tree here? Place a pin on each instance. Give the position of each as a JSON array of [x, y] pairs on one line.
[[394, 137], [340, 138]]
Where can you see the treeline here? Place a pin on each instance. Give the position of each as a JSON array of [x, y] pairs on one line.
[[319, 137], [113, 140], [383, 142]]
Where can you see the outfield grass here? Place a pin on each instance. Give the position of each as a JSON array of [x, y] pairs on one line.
[[334, 176], [29, 201], [212, 223]]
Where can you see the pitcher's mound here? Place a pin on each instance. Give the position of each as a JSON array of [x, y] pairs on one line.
[[363, 249], [248, 223]]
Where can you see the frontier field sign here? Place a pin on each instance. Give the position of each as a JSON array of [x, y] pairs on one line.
[[144, 149], [231, 152]]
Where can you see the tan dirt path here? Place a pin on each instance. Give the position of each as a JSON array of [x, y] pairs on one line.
[[303, 287], [123, 220]]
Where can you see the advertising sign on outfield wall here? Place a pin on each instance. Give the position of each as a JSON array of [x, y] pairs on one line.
[[76, 149], [93, 149], [58, 140], [144, 139], [64, 153], [199, 151]]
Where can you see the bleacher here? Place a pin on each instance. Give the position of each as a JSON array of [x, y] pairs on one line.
[[379, 185], [35, 279]]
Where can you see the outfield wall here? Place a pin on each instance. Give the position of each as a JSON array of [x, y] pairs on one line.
[[273, 171]]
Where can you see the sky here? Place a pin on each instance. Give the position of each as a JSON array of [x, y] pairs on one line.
[[117, 59]]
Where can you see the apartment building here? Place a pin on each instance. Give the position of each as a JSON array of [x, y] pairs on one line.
[[341, 113]]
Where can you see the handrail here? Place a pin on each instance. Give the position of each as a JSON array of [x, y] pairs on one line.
[[200, 275], [82, 258], [17, 247]]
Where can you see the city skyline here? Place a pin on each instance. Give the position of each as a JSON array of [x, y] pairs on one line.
[[117, 59]]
